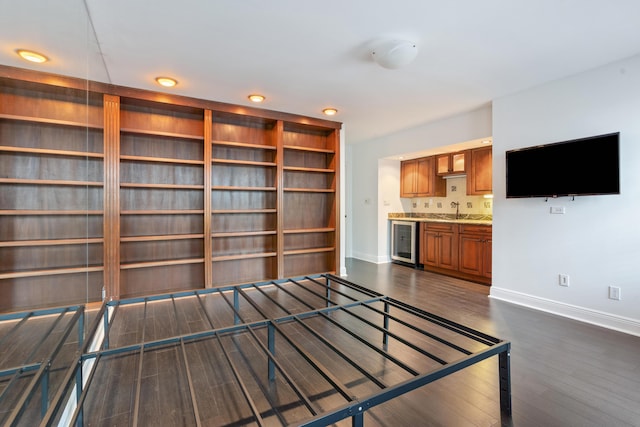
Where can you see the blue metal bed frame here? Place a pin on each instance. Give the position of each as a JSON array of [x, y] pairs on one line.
[[335, 295]]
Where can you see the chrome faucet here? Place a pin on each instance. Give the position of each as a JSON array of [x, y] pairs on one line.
[[457, 206]]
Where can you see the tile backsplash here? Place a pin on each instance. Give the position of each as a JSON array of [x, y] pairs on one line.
[[456, 193]]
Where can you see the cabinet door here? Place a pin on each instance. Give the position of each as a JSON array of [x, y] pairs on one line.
[[487, 259], [480, 173], [443, 164], [425, 177], [471, 253], [408, 178], [430, 253], [448, 251], [458, 162], [423, 242], [451, 163]]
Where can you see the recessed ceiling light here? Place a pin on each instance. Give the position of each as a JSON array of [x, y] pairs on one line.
[[256, 98], [330, 111], [32, 56], [166, 81]]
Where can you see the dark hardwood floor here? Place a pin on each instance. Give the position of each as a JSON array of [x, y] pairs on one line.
[[563, 372]]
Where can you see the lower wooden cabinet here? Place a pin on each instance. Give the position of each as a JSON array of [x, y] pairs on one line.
[[475, 250], [440, 245], [460, 250]]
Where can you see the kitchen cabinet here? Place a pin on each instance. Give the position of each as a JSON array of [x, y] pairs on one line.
[[457, 250], [408, 178], [451, 163], [418, 179], [439, 245], [479, 176], [475, 250]]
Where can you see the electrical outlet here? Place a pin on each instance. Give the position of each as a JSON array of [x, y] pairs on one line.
[[614, 293], [563, 279], [557, 210]]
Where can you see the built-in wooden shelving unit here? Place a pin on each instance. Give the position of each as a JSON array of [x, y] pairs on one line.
[[139, 193], [244, 203], [310, 179], [51, 191], [161, 167]]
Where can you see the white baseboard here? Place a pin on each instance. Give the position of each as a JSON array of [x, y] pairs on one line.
[[595, 317], [371, 258]]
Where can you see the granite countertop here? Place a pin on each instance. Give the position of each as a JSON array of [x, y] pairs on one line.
[[448, 218]]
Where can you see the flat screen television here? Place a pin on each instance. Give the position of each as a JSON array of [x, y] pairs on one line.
[[579, 167]]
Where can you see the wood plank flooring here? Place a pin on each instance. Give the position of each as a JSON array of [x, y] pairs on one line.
[[563, 372], [31, 342]]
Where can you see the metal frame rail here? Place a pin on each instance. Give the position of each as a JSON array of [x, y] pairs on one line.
[[22, 380], [280, 319]]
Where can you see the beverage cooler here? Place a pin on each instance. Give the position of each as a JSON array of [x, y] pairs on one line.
[[404, 243]]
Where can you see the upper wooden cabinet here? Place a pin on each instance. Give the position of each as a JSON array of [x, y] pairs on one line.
[[452, 163], [480, 171], [418, 179]]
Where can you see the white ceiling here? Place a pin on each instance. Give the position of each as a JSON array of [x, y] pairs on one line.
[[307, 55]]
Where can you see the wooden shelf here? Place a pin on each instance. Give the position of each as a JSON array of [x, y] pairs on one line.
[[164, 212], [32, 212], [244, 233], [313, 150], [47, 151], [161, 186], [150, 264], [244, 145], [310, 190], [243, 162], [310, 230], [231, 188], [161, 160], [50, 182], [244, 256], [44, 120], [243, 211], [305, 169], [50, 272], [309, 251], [161, 238], [160, 133], [50, 242]]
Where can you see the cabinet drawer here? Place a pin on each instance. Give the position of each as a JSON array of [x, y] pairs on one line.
[[440, 226], [474, 228]]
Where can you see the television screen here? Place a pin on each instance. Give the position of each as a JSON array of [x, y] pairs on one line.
[[586, 166]]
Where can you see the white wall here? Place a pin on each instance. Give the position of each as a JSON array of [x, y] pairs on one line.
[[597, 241], [372, 179]]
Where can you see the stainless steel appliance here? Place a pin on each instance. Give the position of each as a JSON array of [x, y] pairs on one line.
[[404, 242]]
